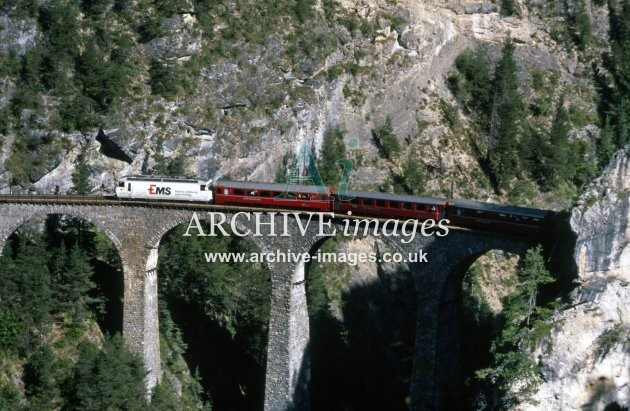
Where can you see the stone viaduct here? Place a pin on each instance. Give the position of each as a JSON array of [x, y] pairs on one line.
[[136, 231]]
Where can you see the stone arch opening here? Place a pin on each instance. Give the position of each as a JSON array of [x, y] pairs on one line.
[[362, 320], [468, 320], [214, 317], [59, 234]]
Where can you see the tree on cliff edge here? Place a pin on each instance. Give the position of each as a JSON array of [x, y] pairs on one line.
[[514, 371], [81, 175], [506, 118]]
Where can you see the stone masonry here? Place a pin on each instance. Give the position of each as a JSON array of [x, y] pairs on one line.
[[136, 232]]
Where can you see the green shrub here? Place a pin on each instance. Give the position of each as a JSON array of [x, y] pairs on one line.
[[385, 140], [617, 335], [538, 80], [334, 72], [510, 8]]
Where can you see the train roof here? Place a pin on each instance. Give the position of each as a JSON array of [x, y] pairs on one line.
[[301, 188], [164, 179], [395, 197], [499, 208]]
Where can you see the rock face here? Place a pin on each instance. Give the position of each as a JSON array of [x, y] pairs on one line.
[[17, 35], [247, 112], [182, 39], [589, 363]]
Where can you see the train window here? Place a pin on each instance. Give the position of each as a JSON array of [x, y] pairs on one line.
[[265, 194], [251, 193], [202, 187], [536, 219], [406, 206], [432, 208], [479, 211], [502, 215], [393, 204], [380, 203], [226, 191], [238, 192], [121, 184], [459, 211], [129, 187]]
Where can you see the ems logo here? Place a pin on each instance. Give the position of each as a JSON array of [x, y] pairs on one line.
[[153, 189]]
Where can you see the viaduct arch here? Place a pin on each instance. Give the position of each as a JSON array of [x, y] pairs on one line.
[[136, 231]]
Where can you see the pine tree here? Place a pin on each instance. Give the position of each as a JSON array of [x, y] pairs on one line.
[[606, 144], [505, 120], [414, 174], [532, 273], [33, 294], [523, 319], [110, 379], [8, 277], [510, 8], [614, 107], [621, 112], [81, 175], [11, 329], [25, 297], [161, 165], [84, 391], [177, 166], [534, 152], [474, 66], [385, 140], [73, 284], [170, 331], [558, 168], [57, 267], [164, 398], [580, 25], [333, 149], [581, 163], [40, 384], [9, 396]]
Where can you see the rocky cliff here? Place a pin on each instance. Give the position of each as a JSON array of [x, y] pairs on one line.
[[586, 365], [247, 107]]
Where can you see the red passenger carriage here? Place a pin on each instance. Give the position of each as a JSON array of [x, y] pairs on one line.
[[385, 205], [272, 195]]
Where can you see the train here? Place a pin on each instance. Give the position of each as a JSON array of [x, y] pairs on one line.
[[461, 213]]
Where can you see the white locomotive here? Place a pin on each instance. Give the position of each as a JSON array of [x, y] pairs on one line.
[[164, 188]]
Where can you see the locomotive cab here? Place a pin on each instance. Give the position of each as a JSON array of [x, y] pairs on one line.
[[164, 188]]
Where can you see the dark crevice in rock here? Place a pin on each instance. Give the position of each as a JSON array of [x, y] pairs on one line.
[[235, 105], [111, 149]]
